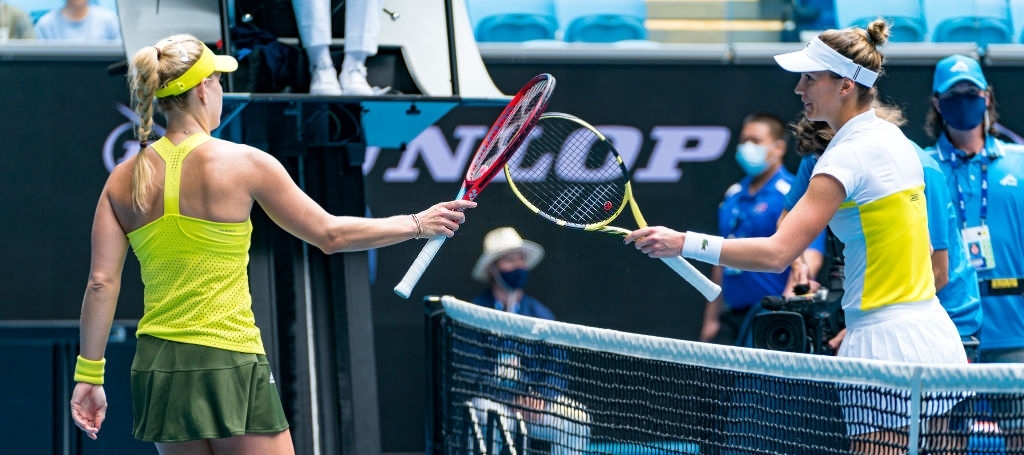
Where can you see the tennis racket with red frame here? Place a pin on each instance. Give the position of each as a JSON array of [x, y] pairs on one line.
[[501, 141], [571, 175]]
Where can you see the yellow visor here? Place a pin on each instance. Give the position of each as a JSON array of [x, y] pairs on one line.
[[207, 64]]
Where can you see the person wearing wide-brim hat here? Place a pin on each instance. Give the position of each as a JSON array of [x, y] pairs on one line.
[[505, 264]]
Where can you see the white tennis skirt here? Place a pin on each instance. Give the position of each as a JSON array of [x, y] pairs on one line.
[[915, 333]]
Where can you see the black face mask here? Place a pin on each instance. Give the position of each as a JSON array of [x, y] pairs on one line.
[[512, 280], [963, 112]]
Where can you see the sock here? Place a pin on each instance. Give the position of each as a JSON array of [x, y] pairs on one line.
[[319, 56]]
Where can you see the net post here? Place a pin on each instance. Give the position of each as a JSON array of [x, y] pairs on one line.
[[914, 435], [434, 425]]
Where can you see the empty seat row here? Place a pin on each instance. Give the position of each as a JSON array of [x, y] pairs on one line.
[[980, 21], [595, 21]]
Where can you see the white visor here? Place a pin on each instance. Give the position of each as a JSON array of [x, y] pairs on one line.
[[818, 56]]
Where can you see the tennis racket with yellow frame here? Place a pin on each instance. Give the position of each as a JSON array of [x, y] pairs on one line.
[[571, 175]]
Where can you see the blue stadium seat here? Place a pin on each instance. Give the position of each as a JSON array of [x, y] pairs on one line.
[[602, 21], [815, 14], [965, 21], [512, 20], [1017, 17], [906, 17]]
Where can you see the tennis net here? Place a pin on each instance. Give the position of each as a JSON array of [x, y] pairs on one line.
[[501, 383]]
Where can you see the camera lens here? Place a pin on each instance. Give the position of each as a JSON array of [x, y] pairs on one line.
[[780, 331], [781, 337]]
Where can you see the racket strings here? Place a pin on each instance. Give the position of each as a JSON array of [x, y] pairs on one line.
[[515, 117], [569, 173]]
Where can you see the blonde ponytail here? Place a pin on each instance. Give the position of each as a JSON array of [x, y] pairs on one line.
[[151, 68], [143, 80]]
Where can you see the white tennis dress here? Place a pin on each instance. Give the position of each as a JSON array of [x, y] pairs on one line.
[[889, 302]]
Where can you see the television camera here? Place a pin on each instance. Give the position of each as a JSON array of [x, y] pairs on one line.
[[802, 324]]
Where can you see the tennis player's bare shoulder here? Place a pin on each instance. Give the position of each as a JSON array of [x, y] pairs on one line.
[[120, 178], [251, 164], [236, 151], [230, 154], [259, 159], [119, 182]]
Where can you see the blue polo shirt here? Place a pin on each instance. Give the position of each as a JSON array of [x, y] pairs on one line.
[[744, 215], [1003, 323], [542, 366], [800, 182], [960, 295], [100, 24]]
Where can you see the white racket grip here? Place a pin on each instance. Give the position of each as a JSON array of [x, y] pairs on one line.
[[404, 288], [705, 286]]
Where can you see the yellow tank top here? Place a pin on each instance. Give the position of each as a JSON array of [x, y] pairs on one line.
[[194, 271]]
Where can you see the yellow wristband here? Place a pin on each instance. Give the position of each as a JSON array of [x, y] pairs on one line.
[[90, 371]]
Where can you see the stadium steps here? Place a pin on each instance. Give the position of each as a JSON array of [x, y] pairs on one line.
[[714, 21]]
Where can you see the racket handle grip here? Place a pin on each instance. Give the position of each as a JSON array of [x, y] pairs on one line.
[[705, 286], [404, 287]]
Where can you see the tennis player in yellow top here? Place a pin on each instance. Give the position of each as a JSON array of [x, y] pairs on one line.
[[868, 186], [201, 383]]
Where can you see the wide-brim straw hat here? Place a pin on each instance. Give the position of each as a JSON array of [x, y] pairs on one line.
[[500, 242]]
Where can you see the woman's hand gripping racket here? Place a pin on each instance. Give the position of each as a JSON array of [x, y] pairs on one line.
[[501, 141], [571, 175]]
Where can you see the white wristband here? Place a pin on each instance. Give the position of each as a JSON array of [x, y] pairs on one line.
[[702, 247]]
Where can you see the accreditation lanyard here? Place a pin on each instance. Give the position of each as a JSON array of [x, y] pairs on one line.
[[962, 200], [986, 156], [977, 239]]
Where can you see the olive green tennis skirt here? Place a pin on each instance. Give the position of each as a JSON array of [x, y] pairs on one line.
[[186, 392]]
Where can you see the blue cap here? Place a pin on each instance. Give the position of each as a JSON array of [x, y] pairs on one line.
[[956, 68]]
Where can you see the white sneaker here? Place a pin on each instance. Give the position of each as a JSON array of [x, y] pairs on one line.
[[353, 82], [324, 81]]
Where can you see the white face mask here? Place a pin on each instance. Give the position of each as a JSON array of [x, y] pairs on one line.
[[753, 158]]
